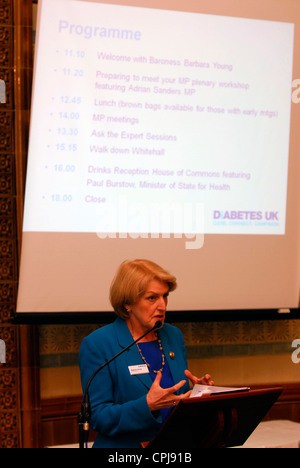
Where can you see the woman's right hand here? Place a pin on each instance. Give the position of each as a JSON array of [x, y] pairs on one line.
[[158, 397]]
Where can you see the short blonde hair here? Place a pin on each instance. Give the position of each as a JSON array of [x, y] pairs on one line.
[[131, 282]]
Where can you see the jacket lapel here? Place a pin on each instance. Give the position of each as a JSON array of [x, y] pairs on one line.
[[175, 369], [132, 355]]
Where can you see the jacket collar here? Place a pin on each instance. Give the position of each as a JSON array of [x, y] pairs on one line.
[[133, 357]]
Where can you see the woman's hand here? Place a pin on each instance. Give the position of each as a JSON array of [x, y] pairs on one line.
[[158, 397], [205, 380]]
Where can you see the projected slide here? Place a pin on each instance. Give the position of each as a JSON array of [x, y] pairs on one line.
[[162, 134], [147, 121]]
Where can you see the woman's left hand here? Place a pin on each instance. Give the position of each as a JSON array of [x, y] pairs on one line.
[[205, 380]]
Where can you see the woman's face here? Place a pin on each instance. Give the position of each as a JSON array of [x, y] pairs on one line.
[[150, 308]]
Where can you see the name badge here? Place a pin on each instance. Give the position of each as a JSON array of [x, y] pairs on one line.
[[138, 369]]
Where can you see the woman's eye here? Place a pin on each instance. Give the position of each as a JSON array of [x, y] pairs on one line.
[[151, 298]]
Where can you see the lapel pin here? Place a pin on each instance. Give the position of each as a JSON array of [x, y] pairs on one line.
[[172, 355]]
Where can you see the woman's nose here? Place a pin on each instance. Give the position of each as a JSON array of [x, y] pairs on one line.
[[162, 305]]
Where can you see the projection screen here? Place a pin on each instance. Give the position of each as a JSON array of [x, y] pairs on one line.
[[167, 131]]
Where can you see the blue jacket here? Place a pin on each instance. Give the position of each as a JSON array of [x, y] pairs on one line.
[[120, 413]]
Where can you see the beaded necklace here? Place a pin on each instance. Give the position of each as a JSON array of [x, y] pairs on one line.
[[162, 356]]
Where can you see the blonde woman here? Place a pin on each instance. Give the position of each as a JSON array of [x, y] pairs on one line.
[[133, 395]]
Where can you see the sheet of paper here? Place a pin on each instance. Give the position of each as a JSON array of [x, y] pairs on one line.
[[200, 390]]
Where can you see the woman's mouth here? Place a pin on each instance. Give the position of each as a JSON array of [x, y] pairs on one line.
[[160, 317]]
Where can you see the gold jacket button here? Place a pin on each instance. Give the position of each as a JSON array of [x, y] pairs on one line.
[[172, 355]]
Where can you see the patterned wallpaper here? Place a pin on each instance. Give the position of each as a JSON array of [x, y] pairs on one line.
[[9, 372], [59, 344], [15, 97]]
